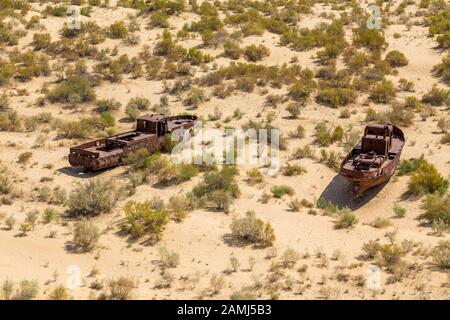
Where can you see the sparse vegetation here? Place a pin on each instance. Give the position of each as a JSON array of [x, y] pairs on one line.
[[252, 230], [85, 235]]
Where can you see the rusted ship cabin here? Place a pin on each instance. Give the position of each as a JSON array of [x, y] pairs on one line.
[[150, 133]]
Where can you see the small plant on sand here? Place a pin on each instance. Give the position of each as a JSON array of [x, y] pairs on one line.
[[252, 230], [121, 288], [142, 219], [304, 152], [85, 236], [10, 222], [59, 293], [93, 198], [426, 180], [217, 283], [7, 289], [168, 259], [383, 92], [281, 190], [436, 209], [27, 290], [254, 176], [49, 215], [436, 96], [441, 255], [255, 53], [289, 258], [371, 249], [399, 211], [74, 89], [345, 220], [396, 59], [410, 166], [391, 255]]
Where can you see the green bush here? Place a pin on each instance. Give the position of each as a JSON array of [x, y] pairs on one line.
[[281, 190], [442, 70], [303, 152], [118, 30], [85, 236], [369, 38], [293, 170], [41, 41], [232, 50], [141, 219], [108, 105], [426, 180], [391, 254], [436, 96], [121, 288], [93, 198], [75, 88], [336, 97], [255, 53], [252, 230], [396, 59], [441, 254], [345, 220], [383, 92], [409, 166], [437, 209]]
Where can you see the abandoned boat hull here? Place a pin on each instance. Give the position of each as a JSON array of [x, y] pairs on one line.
[[150, 134], [375, 160]]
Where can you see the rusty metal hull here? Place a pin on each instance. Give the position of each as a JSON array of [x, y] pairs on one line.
[[150, 134], [379, 169]]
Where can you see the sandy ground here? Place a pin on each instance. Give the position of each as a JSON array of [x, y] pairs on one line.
[[200, 239]]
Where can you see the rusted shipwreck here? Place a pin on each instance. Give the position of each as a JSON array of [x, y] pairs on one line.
[[150, 133], [374, 160]]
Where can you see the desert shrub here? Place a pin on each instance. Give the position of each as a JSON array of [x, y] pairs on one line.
[[345, 220], [436, 209], [195, 97], [7, 289], [168, 259], [254, 176], [293, 170], [31, 218], [412, 102], [295, 205], [369, 38], [107, 105], [218, 187], [93, 198], [383, 92], [336, 97], [300, 91], [159, 19], [330, 158], [391, 254], [298, 133], [255, 53], [325, 136], [75, 88], [380, 223], [41, 41], [399, 211], [281, 190], [441, 255], [141, 219], [371, 249], [85, 235], [118, 30], [426, 180], [396, 59], [232, 50], [24, 229], [294, 109], [304, 152], [289, 258], [27, 290], [436, 96], [252, 230], [121, 288], [24, 157], [442, 70], [242, 295], [444, 124], [10, 222], [446, 138], [49, 215], [406, 85], [59, 293]]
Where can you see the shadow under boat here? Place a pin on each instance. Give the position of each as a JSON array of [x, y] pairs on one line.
[[340, 192], [78, 172]]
